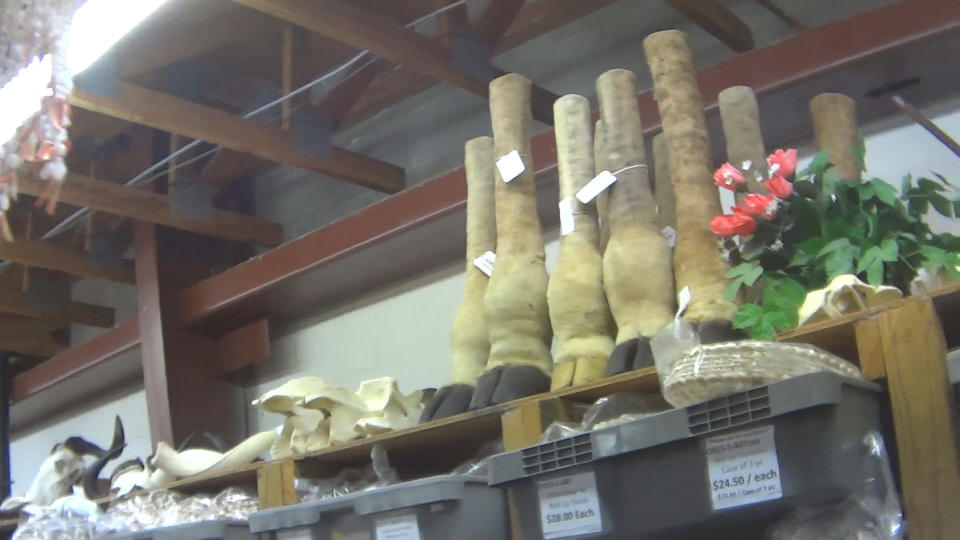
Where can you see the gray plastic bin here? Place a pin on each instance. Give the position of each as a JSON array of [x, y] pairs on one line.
[[203, 530], [439, 507], [653, 479]]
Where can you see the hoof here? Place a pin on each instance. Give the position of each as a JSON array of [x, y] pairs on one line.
[[631, 354], [719, 331], [448, 401], [506, 383]]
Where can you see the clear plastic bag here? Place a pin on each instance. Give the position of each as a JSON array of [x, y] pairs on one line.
[[379, 473], [871, 512], [477, 465], [605, 412]]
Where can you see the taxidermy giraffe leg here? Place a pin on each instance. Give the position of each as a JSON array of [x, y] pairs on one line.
[[835, 130], [469, 338], [636, 263], [579, 312], [515, 302], [740, 116], [698, 262]]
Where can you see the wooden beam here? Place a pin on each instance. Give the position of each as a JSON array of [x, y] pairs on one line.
[[168, 113], [15, 303], [147, 206], [106, 345], [383, 37], [55, 258], [496, 20], [188, 41], [718, 20], [535, 19], [29, 337]]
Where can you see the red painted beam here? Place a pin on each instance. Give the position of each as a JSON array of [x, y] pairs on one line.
[[245, 291], [106, 345], [247, 345]]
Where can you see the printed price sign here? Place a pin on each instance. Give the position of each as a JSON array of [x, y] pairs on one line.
[[302, 533], [566, 217], [594, 187], [743, 468], [399, 528], [569, 506]]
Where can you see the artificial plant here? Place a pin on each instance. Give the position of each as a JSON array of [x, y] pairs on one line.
[[804, 233]]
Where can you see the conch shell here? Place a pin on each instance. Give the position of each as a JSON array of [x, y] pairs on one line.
[[845, 294]]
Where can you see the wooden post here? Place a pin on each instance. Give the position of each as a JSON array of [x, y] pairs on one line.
[[523, 425], [914, 351]]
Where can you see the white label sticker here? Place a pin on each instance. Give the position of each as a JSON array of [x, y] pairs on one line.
[[683, 300], [671, 235], [485, 262], [566, 217], [399, 528], [743, 468], [594, 187], [510, 166], [569, 506]]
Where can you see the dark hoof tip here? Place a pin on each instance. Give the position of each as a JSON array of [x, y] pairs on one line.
[[506, 383], [449, 401], [719, 331], [630, 355]]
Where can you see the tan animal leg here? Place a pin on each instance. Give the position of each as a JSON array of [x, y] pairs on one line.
[[636, 264], [835, 130], [469, 338], [579, 312], [698, 262], [740, 116], [515, 302], [662, 185], [600, 164]]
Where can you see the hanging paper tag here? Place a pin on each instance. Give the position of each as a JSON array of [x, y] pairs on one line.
[[594, 187], [566, 217], [485, 262], [671, 235], [743, 468], [399, 528], [683, 300], [510, 166], [569, 506]]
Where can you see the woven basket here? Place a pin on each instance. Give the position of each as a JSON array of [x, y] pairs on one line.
[[711, 371]]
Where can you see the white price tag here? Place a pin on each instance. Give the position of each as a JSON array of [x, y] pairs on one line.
[[743, 468], [566, 217], [594, 187], [510, 166], [398, 528], [569, 506], [683, 300], [671, 235], [485, 262]]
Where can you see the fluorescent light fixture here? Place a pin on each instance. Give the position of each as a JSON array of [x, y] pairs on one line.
[[95, 27]]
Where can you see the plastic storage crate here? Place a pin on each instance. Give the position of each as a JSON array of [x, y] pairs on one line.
[[203, 530], [772, 447], [439, 507]]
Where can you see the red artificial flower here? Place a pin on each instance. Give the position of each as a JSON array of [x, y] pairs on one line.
[[779, 186], [755, 204], [728, 177], [737, 223], [782, 163]]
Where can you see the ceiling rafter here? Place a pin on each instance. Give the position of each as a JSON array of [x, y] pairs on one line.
[[145, 205], [385, 38], [14, 302], [44, 255], [168, 113], [717, 20]]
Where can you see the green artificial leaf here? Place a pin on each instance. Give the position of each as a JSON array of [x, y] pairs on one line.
[[872, 265], [956, 208], [929, 185], [830, 183], [840, 244], [875, 273], [884, 192], [792, 291], [748, 271], [819, 164], [764, 331], [889, 250], [934, 254], [730, 293], [906, 183], [779, 320], [805, 188], [942, 205], [747, 316], [866, 191], [838, 263], [943, 179]]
